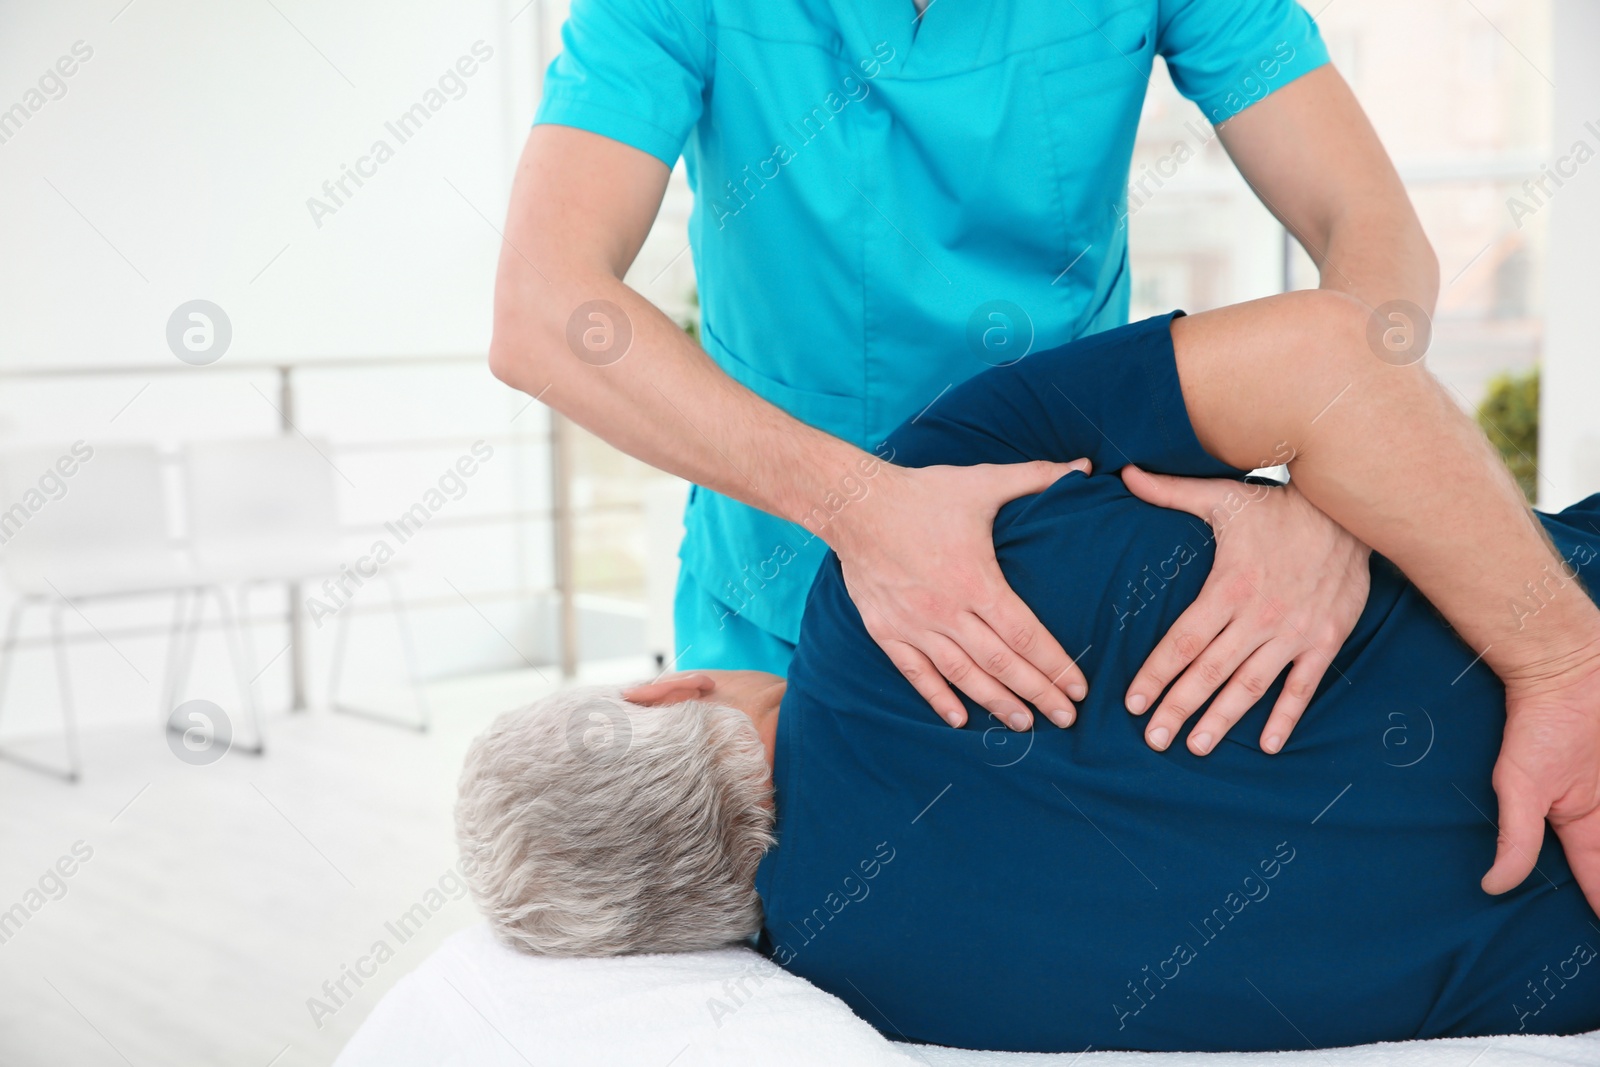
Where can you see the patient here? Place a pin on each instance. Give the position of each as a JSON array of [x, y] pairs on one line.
[[1069, 888]]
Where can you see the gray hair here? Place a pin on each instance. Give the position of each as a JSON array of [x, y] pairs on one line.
[[590, 826]]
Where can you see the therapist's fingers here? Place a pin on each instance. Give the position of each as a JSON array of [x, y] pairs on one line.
[[1200, 497], [1248, 684], [1041, 669], [924, 678], [958, 666], [1015, 624], [670, 689], [918, 559], [1189, 636], [1014, 673], [1213, 667], [1000, 608], [1521, 828], [1298, 689], [1580, 840]]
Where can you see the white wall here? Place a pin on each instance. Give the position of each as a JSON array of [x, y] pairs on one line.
[[176, 162], [1569, 432], [191, 141]]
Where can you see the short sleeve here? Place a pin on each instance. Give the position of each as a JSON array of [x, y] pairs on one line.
[[1228, 54], [635, 71], [1113, 398]]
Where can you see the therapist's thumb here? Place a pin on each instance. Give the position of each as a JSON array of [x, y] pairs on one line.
[[1197, 496], [1521, 834], [1011, 480]]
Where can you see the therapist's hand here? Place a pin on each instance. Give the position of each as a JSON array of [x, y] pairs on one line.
[[1549, 767], [1287, 587], [918, 559]]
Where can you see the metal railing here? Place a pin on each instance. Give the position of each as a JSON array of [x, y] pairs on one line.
[[559, 513]]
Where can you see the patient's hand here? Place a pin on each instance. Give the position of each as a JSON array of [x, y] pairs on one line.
[[1287, 587], [1549, 767]]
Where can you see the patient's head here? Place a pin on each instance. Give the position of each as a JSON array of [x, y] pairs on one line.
[[593, 825]]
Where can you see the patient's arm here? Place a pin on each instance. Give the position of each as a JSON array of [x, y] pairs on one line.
[[1386, 452]]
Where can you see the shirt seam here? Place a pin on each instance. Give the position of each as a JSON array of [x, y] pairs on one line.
[[569, 98]]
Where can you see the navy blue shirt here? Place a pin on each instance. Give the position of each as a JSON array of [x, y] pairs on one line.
[[1060, 889]]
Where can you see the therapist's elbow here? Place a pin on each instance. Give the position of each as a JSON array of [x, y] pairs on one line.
[[1411, 255], [524, 348], [1428, 271], [511, 359]]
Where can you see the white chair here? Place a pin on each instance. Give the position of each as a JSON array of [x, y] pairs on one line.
[[265, 511], [84, 523]]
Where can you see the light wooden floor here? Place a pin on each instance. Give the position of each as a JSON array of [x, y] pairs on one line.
[[219, 898]]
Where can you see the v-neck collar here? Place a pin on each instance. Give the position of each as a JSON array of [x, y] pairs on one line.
[[932, 30], [894, 21]]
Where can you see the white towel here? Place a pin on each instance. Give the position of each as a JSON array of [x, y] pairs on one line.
[[478, 1003]]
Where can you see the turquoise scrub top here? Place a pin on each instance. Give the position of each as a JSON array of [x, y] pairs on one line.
[[885, 205]]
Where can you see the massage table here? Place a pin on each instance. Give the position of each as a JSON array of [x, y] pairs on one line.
[[478, 1003]]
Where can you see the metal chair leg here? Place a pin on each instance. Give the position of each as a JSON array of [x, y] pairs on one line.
[[73, 771], [69, 718], [341, 636], [247, 641], [9, 648], [402, 622], [242, 664], [188, 636], [169, 677], [408, 649], [187, 643]]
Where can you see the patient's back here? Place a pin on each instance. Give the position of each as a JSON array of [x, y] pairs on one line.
[[1066, 888]]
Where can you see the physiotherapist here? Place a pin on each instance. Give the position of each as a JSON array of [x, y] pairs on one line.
[[890, 197]]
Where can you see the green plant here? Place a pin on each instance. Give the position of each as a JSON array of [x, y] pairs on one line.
[[1509, 414], [691, 322]]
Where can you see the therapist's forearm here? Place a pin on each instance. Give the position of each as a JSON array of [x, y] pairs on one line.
[[665, 402]]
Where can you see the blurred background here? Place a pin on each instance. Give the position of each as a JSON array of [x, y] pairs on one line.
[[258, 485]]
